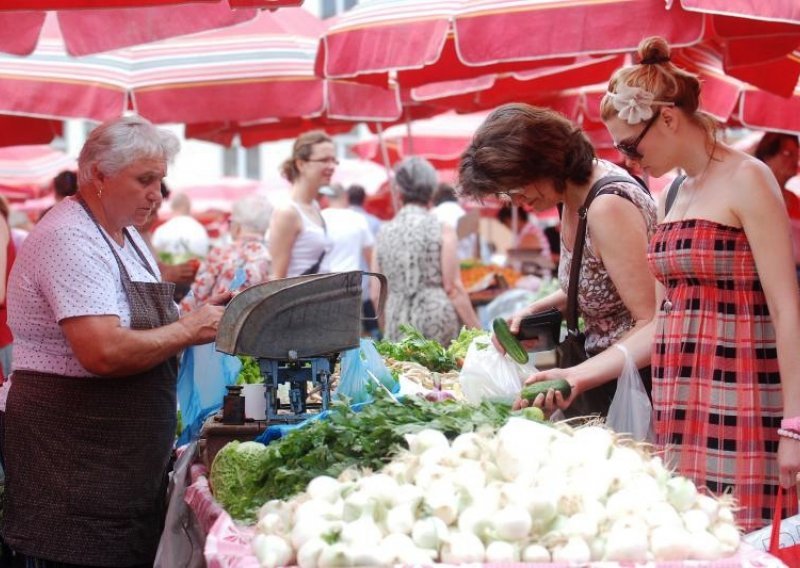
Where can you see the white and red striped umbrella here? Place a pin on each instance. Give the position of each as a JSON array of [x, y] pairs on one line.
[[423, 41], [26, 171], [262, 69], [114, 24]]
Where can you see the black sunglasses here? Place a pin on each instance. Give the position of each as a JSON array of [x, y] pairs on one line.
[[630, 149]]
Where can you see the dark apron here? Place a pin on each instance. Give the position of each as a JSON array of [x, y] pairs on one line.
[[87, 458]]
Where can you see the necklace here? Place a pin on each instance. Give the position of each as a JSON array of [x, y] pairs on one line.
[[695, 189]]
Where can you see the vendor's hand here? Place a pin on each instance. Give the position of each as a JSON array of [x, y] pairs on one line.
[[789, 461], [203, 322], [221, 299], [552, 400]]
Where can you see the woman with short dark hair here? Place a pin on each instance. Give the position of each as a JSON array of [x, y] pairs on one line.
[[536, 158]]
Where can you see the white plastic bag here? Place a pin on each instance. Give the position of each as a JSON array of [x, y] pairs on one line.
[[631, 411], [489, 375]]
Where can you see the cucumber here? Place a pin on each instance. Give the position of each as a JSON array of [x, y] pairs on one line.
[[531, 391], [510, 343]]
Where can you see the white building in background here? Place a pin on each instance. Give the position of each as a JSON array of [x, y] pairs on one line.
[[203, 162]]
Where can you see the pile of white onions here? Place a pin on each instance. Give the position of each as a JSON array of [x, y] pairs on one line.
[[529, 492]]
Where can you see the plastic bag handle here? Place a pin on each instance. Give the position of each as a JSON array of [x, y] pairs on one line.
[[381, 299]]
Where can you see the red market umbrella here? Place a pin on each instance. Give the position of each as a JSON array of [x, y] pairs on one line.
[[424, 41], [734, 101], [489, 91], [26, 171], [443, 138], [345, 104], [121, 23], [413, 38], [757, 41], [21, 130], [262, 69]]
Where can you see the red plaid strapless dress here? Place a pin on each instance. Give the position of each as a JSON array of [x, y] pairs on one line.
[[716, 385]]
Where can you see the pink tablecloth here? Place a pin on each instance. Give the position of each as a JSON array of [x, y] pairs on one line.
[[228, 543]]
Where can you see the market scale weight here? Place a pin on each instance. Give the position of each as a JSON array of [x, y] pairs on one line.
[[296, 328]]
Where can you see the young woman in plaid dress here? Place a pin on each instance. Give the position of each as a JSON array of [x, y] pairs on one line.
[[726, 393]]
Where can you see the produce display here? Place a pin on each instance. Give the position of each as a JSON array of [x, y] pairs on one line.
[[527, 492], [425, 378], [477, 276], [428, 352], [246, 475]]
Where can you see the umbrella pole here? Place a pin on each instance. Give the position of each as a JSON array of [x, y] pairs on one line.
[[409, 135], [388, 166]]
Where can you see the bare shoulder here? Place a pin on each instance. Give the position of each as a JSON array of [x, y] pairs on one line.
[[752, 178]]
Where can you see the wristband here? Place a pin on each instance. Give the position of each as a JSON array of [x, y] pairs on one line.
[[788, 434], [792, 424]]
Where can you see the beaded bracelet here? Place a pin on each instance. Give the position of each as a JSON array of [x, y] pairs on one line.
[[788, 434], [792, 424]]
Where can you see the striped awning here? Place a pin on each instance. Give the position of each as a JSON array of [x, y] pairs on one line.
[[26, 171], [261, 69], [114, 24], [423, 42]]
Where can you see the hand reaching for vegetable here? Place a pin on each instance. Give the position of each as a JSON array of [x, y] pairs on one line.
[[549, 390]]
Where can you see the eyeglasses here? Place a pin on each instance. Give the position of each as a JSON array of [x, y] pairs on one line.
[[630, 149], [326, 161], [508, 195]]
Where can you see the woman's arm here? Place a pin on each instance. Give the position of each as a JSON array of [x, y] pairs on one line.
[[283, 231], [759, 206], [620, 238], [105, 348], [451, 279], [639, 340]]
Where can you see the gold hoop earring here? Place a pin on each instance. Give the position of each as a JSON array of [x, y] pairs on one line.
[[100, 192]]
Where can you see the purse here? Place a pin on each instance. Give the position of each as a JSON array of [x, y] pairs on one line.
[[544, 326]]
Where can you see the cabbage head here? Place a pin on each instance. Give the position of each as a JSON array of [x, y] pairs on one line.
[[237, 475]]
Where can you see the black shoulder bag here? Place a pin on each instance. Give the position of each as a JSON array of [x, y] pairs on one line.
[[571, 351]]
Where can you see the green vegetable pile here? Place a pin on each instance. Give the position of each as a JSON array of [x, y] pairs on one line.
[[235, 475], [428, 352], [365, 439], [250, 373]]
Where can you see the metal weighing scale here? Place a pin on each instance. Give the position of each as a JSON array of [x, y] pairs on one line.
[[296, 328]]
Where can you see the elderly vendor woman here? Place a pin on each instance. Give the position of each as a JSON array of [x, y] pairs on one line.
[[90, 418]]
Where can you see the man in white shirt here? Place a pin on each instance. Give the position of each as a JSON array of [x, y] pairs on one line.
[[182, 234], [348, 231]]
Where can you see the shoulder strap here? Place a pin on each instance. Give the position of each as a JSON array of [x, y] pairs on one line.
[[577, 251], [672, 193]]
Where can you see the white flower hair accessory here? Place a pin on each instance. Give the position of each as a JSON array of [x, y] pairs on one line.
[[634, 104]]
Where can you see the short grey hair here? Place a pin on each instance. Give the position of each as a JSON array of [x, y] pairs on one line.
[[252, 213], [120, 142], [416, 179]]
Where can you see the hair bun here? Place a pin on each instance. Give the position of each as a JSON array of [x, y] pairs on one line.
[[655, 59]]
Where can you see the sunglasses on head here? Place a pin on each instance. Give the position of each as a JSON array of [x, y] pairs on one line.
[[630, 148]]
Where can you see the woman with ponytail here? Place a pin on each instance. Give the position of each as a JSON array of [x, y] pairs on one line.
[[418, 255], [537, 159], [723, 345]]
